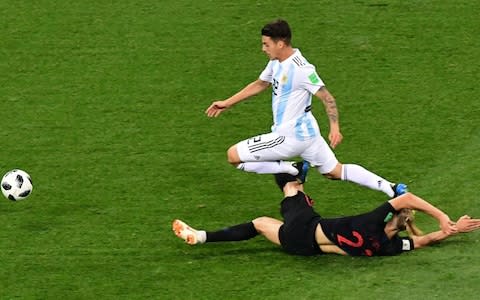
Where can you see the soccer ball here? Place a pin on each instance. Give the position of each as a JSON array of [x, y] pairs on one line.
[[16, 185]]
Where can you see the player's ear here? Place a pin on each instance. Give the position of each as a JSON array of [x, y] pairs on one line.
[[280, 44]]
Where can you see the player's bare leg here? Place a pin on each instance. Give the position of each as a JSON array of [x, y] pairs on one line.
[[268, 227]]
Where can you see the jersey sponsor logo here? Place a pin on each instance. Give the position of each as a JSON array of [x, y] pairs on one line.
[[406, 245], [314, 78]]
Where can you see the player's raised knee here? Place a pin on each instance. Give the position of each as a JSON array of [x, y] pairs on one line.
[[232, 156]]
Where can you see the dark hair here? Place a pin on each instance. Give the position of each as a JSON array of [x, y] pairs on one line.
[[278, 30]]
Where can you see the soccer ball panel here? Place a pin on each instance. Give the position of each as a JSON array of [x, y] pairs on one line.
[[16, 185]]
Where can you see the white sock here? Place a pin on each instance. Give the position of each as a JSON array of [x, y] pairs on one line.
[[201, 236], [362, 176], [268, 167]]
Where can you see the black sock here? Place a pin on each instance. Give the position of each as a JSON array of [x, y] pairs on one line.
[[239, 232], [282, 178]]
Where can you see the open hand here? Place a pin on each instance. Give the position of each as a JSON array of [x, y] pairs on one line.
[[216, 108], [467, 224]]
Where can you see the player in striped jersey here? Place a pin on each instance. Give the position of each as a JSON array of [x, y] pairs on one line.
[[295, 131]]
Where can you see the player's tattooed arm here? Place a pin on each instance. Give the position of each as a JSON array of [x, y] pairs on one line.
[[331, 108], [330, 105]]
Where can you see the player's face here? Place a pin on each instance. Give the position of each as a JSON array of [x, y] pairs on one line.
[[270, 47]]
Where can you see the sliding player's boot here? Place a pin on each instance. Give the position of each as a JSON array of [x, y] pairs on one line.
[[185, 232]]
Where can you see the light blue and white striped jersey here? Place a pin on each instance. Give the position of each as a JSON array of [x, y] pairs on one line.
[[293, 82]]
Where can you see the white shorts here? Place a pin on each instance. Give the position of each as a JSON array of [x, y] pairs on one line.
[[273, 147]]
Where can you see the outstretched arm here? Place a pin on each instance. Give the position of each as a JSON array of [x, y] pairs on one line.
[[330, 104], [464, 224], [412, 201], [252, 89], [420, 241]]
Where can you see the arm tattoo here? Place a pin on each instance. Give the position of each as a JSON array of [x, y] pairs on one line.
[[331, 108]]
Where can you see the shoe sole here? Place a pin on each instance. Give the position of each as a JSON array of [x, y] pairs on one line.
[[177, 227], [180, 229]]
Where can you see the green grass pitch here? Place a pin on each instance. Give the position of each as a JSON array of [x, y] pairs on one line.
[[102, 102]]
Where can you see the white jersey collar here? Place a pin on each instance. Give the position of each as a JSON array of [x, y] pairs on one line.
[[296, 52]]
